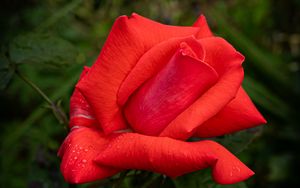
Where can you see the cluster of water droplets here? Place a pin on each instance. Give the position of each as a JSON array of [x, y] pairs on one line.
[[76, 159], [234, 170]]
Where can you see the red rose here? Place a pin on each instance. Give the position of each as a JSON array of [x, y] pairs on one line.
[[153, 87]]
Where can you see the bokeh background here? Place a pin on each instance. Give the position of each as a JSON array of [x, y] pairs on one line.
[[50, 41]]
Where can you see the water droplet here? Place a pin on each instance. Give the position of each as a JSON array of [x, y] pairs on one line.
[[86, 150], [77, 152], [75, 158], [231, 174], [80, 147], [73, 151], [84, 160]]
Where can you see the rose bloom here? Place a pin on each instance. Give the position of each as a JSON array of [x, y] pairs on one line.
[[152, 88]]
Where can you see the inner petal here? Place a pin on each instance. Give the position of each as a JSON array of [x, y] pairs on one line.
[[163, 97]]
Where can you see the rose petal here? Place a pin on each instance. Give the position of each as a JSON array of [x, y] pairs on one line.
[[239, 114], [152, 62], [227, 62], [128, 40], [78, 152], [171, 91], [221, 55], [81, 113], [205, 30], [173, 157]]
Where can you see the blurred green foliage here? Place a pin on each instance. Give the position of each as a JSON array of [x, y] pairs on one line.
[[50, 41]]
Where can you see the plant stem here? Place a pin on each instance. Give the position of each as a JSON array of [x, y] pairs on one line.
[[57, 110], [15, 136], [35, 87]]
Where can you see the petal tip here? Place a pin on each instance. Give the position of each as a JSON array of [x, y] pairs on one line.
[[134, 14], [121, 18], [264, 121], [200, 20], [240, 56], [261, 119]]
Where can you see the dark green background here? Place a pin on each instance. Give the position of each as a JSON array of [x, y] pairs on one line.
[[51, 40]]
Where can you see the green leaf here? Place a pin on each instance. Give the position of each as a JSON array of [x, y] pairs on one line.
[[200, 178], [237, 185], [42, 48], [239, 141], [6, 72]]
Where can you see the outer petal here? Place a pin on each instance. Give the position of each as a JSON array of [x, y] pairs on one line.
[[128, 40], [78, 151], [173, 157], [239, 114], [81, 113], [171, 91], [205, 30], [227, 62]]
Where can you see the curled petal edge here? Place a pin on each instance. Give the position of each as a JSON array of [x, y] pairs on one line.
[[173, 157]]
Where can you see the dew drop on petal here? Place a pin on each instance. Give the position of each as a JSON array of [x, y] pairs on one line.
[[84, 160]]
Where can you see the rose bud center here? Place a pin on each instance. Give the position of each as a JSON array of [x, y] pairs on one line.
[[173, 89]]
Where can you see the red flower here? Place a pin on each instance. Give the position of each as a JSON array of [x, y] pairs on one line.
[[153, 87]]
